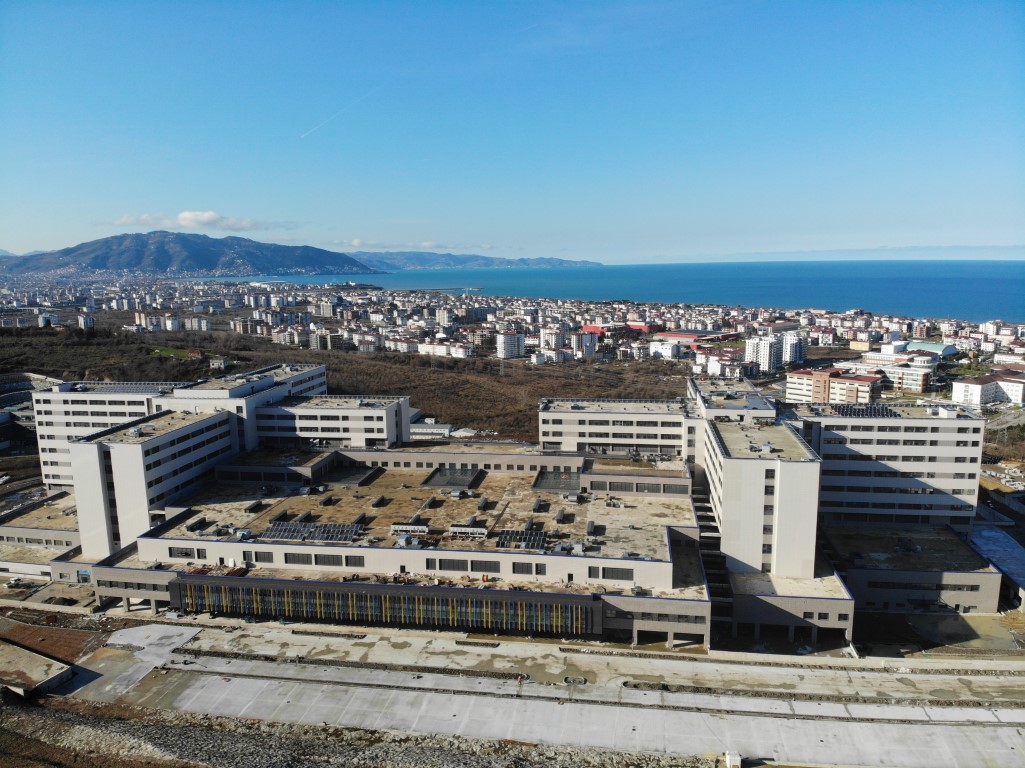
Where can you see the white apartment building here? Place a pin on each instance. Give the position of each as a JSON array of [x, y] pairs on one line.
[[795, 348], [510, 344], [767, 351]]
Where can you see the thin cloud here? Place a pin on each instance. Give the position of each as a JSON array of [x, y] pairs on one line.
[[201, 220]]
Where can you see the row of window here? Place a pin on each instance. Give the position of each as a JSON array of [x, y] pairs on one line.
[[40, 542], [185, 452], [895, 473], [184, 438], [895, 457], [923, 586], [893, 428], [613, 423], [810, 615]]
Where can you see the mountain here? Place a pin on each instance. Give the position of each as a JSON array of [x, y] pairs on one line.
[[163, 254], [399, 260], [7, 254]]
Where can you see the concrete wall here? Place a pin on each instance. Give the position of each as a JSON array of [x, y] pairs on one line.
[[983, 595]]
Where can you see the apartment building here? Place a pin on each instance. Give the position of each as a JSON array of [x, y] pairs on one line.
[[510, 344], [767, 351], [831, 385]]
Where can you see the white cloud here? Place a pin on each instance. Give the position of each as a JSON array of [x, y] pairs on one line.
[[200, 220]]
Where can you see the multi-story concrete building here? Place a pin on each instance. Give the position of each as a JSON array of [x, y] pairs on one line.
[[71, 410], [898, 464], [767, 351], [996, 387], [125, 473], [509, 344], [621, 427], [831, 385]]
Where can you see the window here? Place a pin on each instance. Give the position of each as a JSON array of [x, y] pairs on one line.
[[619, 574], [769, 490], [809, 615], [329, 560], [540, 569], [843, 616], [298, 558], [823, 617], [592, 572], [770, 474], [447, 564], [524, 569], [182, 552], [485, 566], [766, 549], [263, 557], [354, 561]]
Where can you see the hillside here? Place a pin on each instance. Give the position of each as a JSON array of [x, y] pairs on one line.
[[400, 260], [162, 254]]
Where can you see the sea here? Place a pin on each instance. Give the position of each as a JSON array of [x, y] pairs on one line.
[[967, 290]]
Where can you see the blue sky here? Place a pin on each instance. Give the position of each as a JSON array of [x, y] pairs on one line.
[[620, 132]]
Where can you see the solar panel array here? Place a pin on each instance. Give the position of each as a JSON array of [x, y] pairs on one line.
[[313, 531], [850, 410], [522, 540]]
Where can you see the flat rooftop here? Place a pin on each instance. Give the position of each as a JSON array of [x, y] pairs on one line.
[[28, 554], [743, 440], [121, 387], [639, 407], [25, 670], [142, 431], [57, 514], [1001, 549], [825, 584], [911, 549], [336, 401], [634, 528], [278, 373], [730, 394], [884, 411]]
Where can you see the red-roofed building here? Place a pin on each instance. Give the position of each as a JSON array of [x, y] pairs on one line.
[[831, 385]]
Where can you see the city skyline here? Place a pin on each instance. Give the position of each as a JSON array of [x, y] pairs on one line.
[[619, 133]]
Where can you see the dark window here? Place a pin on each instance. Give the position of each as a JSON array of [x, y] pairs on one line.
[[619, 574], [485, 566], [329, 559], [354, 561], [298, 558], [522, 568], [446, 564]]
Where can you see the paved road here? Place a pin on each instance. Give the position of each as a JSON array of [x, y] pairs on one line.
[[601, 716], [620, 726]]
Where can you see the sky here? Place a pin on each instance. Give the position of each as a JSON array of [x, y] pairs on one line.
[[636, 132]]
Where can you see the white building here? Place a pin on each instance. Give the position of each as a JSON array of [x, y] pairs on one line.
[[997, 387], [896, 465], [510, 344], [767, 351]]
